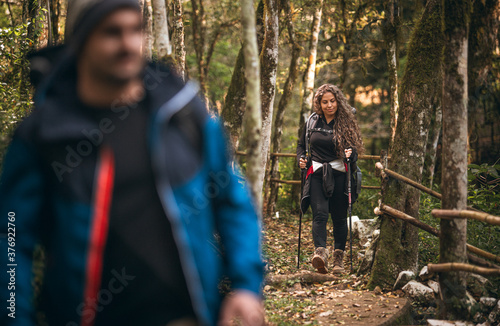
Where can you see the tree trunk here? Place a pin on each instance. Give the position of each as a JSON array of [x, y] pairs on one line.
[[483, 31], [348, 35], [199, 24], [178, 38], [253, 102], [397, 249], [147, 14], [234, 105], [452, 244], [269, 66], [345, 53], [55, 14], [390, 30], [30, 11], [162, 39], [432, 145], [293, 72], [309, 75]]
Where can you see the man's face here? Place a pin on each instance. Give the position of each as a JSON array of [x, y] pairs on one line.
[[113, 51]]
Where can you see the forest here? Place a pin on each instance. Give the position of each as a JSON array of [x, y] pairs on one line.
[[424, 78]]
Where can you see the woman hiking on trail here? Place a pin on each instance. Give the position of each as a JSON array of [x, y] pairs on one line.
[[331, 138]]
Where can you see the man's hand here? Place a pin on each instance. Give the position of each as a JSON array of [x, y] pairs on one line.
[[243, 305]]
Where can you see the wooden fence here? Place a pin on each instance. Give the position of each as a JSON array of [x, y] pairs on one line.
[[470, 213]]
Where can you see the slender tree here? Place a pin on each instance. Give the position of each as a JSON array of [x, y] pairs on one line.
[[269, 66], [205, 42], [162, 39], [178, 38], [30, 11], [147, 14], [483, 33], [431, 156], [253, 103], [293, 72], [199, 29], [452, 242], [308, 80], [349, 28], [397, 248], [55, 15], [390, 29]]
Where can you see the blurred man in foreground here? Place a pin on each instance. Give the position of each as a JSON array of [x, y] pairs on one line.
[[124, 178]]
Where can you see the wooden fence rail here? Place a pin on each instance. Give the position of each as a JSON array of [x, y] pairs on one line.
[[405, 217], [386, 173], [449, 267], [479, 216], [407, 180]]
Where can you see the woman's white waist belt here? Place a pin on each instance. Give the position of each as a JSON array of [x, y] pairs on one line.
[[335, 164]]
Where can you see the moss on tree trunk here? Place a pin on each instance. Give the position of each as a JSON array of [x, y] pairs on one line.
[[234, 105], [397, 249], [293, 72], [269, 67]]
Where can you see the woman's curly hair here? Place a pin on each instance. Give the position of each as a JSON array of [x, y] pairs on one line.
[[346, 131]]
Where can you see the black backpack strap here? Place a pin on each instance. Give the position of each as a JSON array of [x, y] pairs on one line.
[[310, 125]]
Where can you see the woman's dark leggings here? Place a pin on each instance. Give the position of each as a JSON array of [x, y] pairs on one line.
[[321, 207]]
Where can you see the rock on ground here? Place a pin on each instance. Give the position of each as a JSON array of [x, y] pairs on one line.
[[363, 229], [403, 278], [433, 285], [424, 274], [418, 292], [494, 316], [436, 322], [488, 302]]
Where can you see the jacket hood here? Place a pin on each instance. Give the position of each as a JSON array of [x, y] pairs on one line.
[[58, 111]]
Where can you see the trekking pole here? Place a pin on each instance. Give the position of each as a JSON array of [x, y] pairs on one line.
[[350, 207], [300, 214]]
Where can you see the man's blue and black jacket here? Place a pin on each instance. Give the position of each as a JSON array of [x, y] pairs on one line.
[[61, 199]]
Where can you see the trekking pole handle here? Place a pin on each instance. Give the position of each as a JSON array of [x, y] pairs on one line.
[[303, 157]]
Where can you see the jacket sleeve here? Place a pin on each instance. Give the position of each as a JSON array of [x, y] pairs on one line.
[[301, 145], [236, 218], [21, 189]]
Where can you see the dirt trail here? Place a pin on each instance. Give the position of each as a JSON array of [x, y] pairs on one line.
[[304, 297]]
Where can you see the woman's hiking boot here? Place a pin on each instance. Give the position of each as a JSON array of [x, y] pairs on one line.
[[338, 261], [320, 260]]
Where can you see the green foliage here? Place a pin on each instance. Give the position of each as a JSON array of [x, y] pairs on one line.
[[483, 194], [367, 200], [428, 244], [15, 92], [484, 187]]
